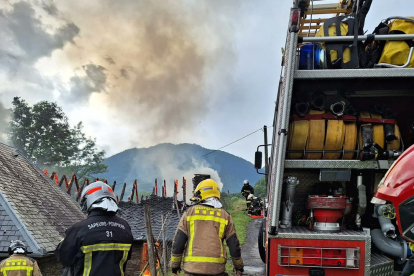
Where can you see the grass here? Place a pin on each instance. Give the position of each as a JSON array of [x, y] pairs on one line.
[[241, 221]]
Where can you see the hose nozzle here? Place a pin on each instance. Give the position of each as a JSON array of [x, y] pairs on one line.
[[338, 108]]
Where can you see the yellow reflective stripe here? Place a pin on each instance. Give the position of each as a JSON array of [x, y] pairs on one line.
[[222, 225], [13, 262], [217, 219], [88, 249], [121, 264], [87, 264], [191, 219], [105, 247], [176, 259], [238, 262], [205, 260], [20, 267], [190, 244]]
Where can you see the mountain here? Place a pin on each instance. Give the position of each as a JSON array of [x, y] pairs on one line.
[[170, 162]]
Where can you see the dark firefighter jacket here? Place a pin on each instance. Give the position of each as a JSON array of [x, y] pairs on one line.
[[98, 245], [246, 190], [200, 236], [409, 266], [19, 265]]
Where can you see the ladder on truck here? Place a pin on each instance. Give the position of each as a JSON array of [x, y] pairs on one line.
[[305, 20], [315, 12]]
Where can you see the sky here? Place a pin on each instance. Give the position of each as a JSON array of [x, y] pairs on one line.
[[138, 72]]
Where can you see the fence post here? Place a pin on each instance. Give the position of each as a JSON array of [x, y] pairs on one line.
[[122, 193], [164, 244], [176, 205], [150, 242]]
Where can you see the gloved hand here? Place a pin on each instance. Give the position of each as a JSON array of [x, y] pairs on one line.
[[175, 271], [239, 272]]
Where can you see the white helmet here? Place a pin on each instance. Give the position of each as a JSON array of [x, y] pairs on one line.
[[250, 197], [246, 182], [18, 247], [95, 193]]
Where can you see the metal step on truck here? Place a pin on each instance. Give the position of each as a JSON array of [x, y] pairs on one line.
[[344, 114]]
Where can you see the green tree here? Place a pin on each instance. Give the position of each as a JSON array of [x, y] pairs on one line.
[[260, 188], [42, 132]]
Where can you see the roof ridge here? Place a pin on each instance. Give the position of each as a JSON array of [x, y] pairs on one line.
[[4, 144]]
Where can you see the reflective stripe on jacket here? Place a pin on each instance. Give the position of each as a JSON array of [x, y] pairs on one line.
[[98, 245], [200, 236], [19, 265]]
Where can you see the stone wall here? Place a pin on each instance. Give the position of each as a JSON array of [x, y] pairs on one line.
[[135, 265], [49, 266]]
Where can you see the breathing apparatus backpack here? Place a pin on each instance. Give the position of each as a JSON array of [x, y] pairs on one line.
[[392, 53], [342, 55]]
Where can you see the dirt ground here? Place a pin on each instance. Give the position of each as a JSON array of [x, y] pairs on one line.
[[253, 265]]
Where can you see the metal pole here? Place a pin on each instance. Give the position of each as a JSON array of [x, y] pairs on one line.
[[360, 38], [150, 241], [283, 128], [266, 156], [164, 243]]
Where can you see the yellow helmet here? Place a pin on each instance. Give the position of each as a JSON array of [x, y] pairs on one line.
[[205, 189]]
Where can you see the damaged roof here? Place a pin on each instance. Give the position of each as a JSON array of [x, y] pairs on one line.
[[133, 213], [32, 207]]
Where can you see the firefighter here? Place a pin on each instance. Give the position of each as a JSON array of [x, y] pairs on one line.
[[247, 189], [18, 264], [201, 233], [100, 244]]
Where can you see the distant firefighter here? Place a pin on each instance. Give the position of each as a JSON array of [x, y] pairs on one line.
[[100, 244], [247, 189], [18, 264]]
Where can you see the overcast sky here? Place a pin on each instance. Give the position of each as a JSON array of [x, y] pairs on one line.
[[140, 72]]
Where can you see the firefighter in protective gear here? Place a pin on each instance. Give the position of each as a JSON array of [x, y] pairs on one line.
[[100, 244], [18, 264], [199, 238], [247, 189]]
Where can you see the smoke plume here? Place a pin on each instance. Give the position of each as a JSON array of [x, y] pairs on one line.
[[152, 70], [4, 123], [156, 67]]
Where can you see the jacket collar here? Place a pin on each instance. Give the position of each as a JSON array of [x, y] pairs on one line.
[[98, 212]]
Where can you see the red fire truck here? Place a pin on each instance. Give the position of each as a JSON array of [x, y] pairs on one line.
[[338, 127]]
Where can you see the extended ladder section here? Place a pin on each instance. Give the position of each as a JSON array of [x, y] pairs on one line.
[[315, 12]]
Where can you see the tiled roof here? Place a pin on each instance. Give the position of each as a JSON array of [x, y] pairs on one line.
[[8, 231], [34, 203], [134, 214]]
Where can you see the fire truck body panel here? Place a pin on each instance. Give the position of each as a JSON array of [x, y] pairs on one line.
[[298, 241]]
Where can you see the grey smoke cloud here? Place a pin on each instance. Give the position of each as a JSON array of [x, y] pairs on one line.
[[95, 80], [163, 81], [29, 34], [170, 66], [26, 40], [110, 60], [4, 121], [50, 8]]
